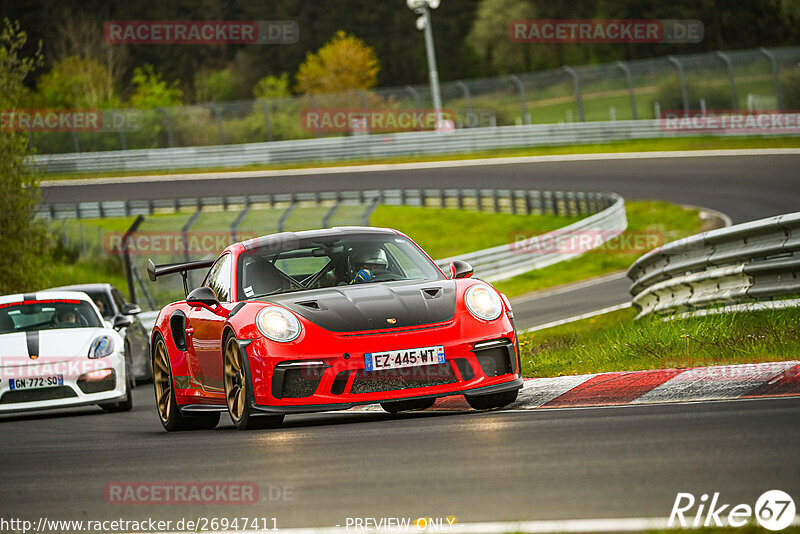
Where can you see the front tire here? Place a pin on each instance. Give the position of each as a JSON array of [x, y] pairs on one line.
[[406, 405], [238, 394], [167, 407], [494, 400]]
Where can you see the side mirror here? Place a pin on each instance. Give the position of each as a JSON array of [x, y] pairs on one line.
[[202, 296], [122, 321], [460, 269], [131, 309]]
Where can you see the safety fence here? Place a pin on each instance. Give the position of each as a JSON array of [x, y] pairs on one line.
[[757, 79], [229, 219]]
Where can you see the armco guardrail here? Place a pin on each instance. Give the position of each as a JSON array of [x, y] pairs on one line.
[[365, 146], [750, 262], [606, 217]]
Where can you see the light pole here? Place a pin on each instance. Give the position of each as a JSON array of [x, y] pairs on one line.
[[423, 8]]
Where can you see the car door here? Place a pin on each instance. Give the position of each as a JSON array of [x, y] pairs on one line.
[[137, 338], [205, 327]]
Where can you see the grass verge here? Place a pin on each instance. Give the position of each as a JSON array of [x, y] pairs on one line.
[[639, 145], [615, 342], [441, 232]]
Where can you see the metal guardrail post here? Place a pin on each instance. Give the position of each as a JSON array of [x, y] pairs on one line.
[[168, 126], [629, 82], [218, 120], [416, 99], [576, 87], [238, 220], [681, 81], [126, 256], [523, 102], [143, 287], [314, 106], [326, 220], [467, 102], [776, 75], [76, 144], [370, 209], [285, 215], [729, 68], [184, 234], [267, 118]]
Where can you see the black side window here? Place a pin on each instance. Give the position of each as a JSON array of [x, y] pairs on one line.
[[219, 278], [119, 300]]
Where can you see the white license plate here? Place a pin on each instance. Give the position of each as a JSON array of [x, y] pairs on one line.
[[393, 359], [36, 382]]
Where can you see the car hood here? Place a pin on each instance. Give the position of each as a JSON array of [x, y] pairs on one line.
[[374, 306], [49, 346]]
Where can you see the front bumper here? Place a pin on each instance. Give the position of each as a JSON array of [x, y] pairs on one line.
[[480, 359], [76, 390]]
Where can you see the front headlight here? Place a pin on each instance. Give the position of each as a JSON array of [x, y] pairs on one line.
[[101, 347], [278, 324], [483, 302]]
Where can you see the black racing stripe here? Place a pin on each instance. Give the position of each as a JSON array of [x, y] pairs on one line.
[[32, 340], [29, 296]]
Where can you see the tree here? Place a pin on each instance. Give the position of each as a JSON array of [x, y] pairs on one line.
[[152, 91], [342, 64], [21, 238], [76, 82], [489, 35], [213, 85], [270, 87]]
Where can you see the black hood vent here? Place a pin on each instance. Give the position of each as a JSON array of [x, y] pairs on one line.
[[374, 306]]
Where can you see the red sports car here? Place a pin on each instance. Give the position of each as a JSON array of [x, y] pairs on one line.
[[329, 319]]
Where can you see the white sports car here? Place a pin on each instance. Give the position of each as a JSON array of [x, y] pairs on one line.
[[56, 351]]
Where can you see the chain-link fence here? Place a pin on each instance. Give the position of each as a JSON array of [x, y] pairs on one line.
[[763, 79]]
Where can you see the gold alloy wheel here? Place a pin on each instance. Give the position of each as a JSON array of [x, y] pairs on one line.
[[163, 381], [235, 388]]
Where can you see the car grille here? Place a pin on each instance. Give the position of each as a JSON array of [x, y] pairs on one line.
[[40, 394], [403, 378]]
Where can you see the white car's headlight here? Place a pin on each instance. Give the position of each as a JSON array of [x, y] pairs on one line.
[[278, 324], [101, 347], [483, 302]]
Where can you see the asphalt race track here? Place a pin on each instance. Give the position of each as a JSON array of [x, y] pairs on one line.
[[509, 465], [743, 187]]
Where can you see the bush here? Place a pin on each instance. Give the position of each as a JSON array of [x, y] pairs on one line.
[[716, 94]]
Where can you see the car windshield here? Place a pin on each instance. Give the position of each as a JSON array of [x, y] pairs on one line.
[[47, 315], [329, 262]]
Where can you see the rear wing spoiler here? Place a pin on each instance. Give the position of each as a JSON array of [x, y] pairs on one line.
[[154, 271]]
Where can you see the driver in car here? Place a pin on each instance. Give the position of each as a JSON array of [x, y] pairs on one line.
[[366, 263]]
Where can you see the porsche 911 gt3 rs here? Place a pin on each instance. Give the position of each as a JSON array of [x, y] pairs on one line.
[[328, 319], [56, 351]]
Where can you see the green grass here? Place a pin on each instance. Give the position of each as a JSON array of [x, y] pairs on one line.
[[446, 232], [615, 342], [441, 232], [648, 220], [642, 145]]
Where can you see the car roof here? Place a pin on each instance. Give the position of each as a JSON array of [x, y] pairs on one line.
[[288, 237], [45, 295], [82, 287]]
